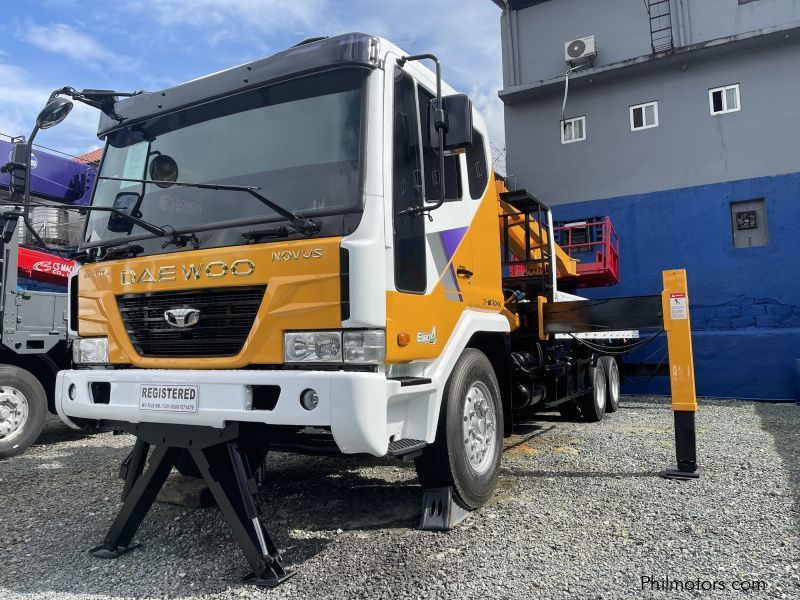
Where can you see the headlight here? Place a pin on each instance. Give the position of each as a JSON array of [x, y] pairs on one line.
[[313, 347], [90, 351], [364, 347]]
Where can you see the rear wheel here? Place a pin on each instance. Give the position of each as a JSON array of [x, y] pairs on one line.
[[611, 370], [23, 410], [469, 439], [593, 404]]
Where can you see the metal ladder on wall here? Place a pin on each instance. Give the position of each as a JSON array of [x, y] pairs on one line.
[[660, 15]]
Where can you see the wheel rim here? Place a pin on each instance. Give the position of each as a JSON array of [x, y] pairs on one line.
[[13, 412], [480, 426], [600, 392], [613, 382]]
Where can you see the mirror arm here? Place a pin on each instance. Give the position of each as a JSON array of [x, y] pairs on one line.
[[26, 195], [439, 123], [102, 100]]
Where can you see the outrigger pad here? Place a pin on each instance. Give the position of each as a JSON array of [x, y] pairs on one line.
[[105, 551], [268, 582], [676, 473], [440, 510]]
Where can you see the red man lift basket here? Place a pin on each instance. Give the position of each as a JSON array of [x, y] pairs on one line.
[[593, 242]]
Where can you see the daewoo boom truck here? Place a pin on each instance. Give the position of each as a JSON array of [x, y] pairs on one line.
[[311, 252]]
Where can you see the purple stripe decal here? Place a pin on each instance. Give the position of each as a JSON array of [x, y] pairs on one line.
[[451, 238]]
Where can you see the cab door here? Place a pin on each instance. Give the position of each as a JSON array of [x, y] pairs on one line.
[[430, 253]]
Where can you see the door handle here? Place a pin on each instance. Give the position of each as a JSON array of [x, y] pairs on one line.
[[464, 272]]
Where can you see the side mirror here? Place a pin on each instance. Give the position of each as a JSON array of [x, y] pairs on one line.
[[54, 112], [457, 127], [19, 156], [127, 202], [9, 227]]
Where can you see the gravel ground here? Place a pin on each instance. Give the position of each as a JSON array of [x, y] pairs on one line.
[[579, 513]]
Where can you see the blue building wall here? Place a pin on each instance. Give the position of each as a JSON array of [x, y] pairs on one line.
[[745, 302]]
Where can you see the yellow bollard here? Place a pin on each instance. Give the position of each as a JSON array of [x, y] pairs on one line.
[[675, 306]]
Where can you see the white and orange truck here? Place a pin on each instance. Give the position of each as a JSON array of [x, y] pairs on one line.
[[311, 252]]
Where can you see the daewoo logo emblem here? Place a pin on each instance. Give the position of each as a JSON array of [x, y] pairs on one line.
[[182, 317]]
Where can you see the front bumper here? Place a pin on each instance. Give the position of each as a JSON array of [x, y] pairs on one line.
[[354, 405]]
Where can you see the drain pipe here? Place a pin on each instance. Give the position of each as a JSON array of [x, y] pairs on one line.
[[679, 21], [685, 23]]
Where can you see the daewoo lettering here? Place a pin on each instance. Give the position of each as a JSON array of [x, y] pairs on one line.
[[213, 270]]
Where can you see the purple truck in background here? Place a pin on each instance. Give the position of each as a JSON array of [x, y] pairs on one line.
[[53, 177]]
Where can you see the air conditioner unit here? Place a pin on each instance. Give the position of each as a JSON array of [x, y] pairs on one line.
[[580, 50]]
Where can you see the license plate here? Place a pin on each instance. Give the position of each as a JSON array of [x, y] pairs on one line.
[[168, 398]]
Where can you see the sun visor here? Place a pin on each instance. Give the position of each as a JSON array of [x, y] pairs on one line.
[[350, 49]]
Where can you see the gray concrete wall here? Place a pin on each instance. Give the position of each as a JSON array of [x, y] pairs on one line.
[[690, 147], [533, 38]]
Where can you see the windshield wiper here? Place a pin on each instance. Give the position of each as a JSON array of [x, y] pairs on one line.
[[123, 251], [297, 222], [165, 231], [257, 235]]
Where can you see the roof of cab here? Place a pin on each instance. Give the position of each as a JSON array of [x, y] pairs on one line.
[[357, 49]]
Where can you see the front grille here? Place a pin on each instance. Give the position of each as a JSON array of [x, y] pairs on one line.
[[226, 318]]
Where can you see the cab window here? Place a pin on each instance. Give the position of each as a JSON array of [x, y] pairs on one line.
[[477, 169], [409, 229]]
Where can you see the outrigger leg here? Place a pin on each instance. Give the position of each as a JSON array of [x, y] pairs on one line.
[[227, 473]]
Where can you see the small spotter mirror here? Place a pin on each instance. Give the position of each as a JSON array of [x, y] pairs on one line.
[[54, 112], [164, 170], [128, 203]]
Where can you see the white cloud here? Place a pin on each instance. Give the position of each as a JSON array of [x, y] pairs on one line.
[[234, 19], [21, 99], [65, 40]]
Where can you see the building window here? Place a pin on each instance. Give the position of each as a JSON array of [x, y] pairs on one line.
[[644, 116], [724, 100], [573, 130], [749, 223]]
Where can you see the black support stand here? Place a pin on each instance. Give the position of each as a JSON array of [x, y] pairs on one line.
[[227, 473], [685, 447]]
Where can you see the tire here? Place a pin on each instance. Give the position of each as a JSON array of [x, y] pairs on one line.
[[593, 404], [256, 455], [23, 410], [469, 437], [611, 370]]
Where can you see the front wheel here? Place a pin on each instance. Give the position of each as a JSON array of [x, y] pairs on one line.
[[23, 410], [469, 438]]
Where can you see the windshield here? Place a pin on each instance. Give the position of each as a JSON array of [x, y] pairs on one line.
[[298, 142]]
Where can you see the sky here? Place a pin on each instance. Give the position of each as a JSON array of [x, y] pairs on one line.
[[154, 44]]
